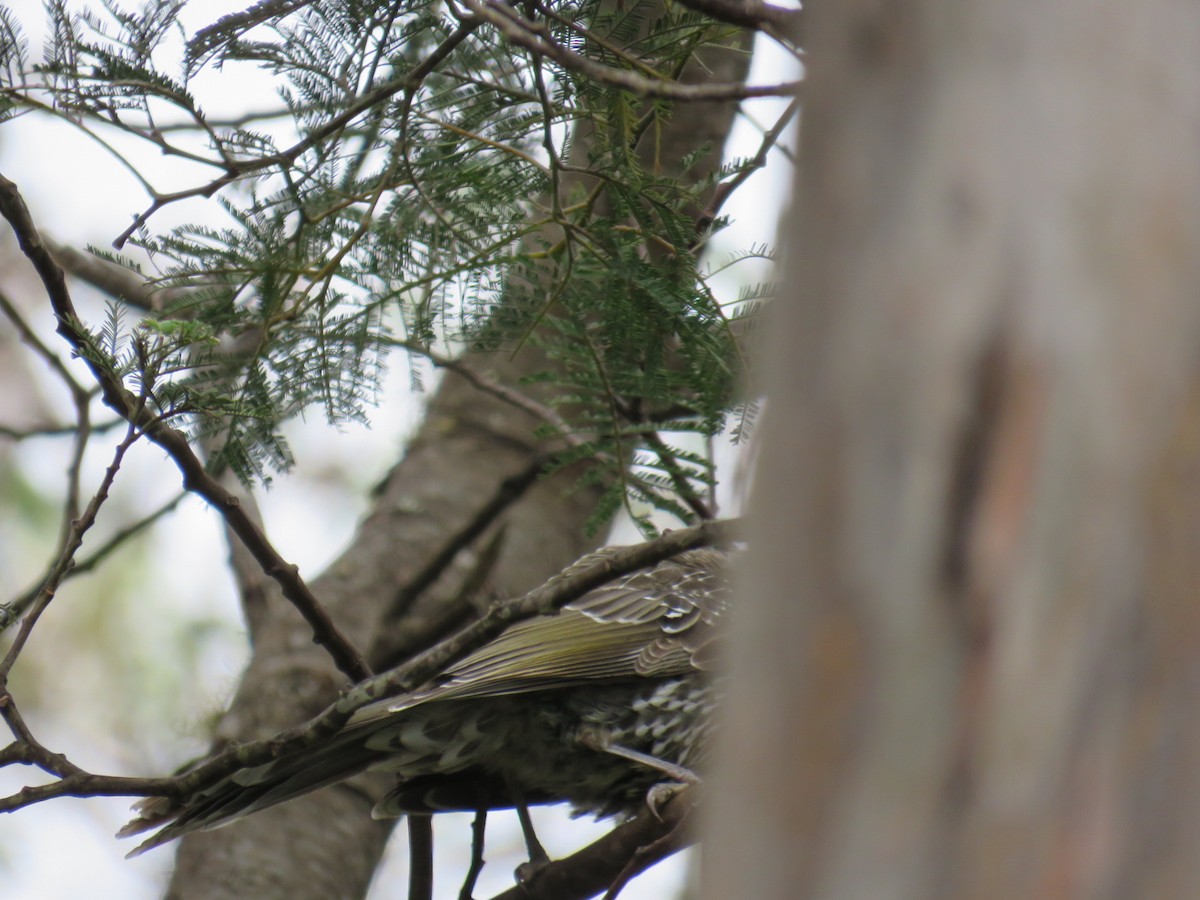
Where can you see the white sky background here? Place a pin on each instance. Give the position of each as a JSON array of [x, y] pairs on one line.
[[64, 848]]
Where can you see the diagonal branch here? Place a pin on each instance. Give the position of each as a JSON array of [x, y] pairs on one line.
[[726, 188], [507, 492], [71, 542]]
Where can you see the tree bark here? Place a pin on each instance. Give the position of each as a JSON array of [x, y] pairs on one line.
[[966, 659], [326, 845]]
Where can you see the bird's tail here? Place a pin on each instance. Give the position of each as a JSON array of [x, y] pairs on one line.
[[249, 790]]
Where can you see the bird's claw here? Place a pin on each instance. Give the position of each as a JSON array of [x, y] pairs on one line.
[[660, 794], [527, 871]]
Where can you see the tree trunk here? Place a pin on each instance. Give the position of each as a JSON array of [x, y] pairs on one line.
[[326, 845], [967, 660]]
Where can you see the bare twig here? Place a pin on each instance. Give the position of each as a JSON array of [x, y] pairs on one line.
[[11, 611], [196, 477], [26, 749], [478, 835], [507, 492], [400, 637], [83, 433], [80, 784], [40, 431], [679, 477], [725, 189], [94, 558], [80, 398], [646, 855], [31, 339], [66, 556], [239, 121]]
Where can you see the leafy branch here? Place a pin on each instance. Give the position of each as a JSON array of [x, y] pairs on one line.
[[196, 477]]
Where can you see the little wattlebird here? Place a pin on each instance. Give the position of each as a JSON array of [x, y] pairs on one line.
[[594, 706]]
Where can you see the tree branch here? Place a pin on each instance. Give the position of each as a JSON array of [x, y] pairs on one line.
[[608, 863], [725, 189], [508, 492], [196, 477]]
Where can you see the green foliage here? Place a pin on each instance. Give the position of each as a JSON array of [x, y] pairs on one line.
[[13, 61], [416, 183]]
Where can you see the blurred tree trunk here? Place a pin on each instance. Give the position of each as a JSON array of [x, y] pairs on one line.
[[326, 845], [968, 663]]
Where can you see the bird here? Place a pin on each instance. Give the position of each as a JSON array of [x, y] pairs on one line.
[[597, 706]]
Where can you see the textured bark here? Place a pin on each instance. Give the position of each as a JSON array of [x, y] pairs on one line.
[[326, 845], [967, 658]]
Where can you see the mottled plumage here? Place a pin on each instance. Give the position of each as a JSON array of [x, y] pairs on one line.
[[593, 706]]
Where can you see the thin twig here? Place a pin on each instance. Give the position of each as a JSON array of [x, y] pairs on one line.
[[725, 189], [234, 123], [478, 834], [82, 784], [27, 749], [679, 478], [645, 856], [508, 491], [83, 433], [34, 342], [41, 431], [58, 571], [11, 611], [399, 637], [119, 537]]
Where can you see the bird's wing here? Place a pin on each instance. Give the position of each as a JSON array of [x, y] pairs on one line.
[[650, 623]]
